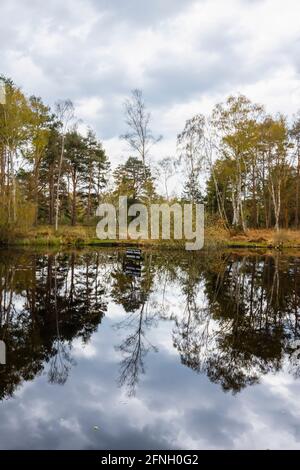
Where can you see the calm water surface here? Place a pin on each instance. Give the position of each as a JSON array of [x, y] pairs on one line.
[[193, 351]]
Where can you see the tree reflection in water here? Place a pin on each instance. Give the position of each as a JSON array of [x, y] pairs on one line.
[[133, 294], [46, 301], [249, 322], [234, 317]]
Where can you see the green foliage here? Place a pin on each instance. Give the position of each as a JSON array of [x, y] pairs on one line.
[[134, 180], [31, 138], [249, 160]]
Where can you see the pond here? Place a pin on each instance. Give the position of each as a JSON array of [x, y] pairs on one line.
[[182, 350]]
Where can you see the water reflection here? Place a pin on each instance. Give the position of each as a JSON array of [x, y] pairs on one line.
[[133, 292], [234, 318], [46, 301]]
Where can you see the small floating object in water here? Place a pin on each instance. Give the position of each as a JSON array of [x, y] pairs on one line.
[[133, 253], [132, 262], [133, 269], [96, 428]]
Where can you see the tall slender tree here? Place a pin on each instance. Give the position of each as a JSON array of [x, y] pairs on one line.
[[65, 114], [139, 135]]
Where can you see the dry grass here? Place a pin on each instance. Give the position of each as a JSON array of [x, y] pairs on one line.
[[268, 237], [215, 236]]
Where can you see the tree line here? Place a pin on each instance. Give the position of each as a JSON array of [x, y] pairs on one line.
[[242, 162], [49, 171], [251, 160]]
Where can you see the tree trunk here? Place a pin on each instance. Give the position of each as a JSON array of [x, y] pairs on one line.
[[277, 204], [13, 177], [51, 197], [89, 205], [57, 202], [297, 188], [74, 183]]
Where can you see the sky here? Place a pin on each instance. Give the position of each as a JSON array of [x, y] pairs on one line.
[[185, 56]]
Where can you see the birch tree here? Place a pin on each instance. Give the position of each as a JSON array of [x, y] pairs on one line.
[[39, 128], [276, 147], [139, 135], [14, 119], [167, 168], [190, 148], [234, 120]]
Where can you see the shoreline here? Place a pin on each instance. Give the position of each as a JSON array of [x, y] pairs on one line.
[[84, 236]]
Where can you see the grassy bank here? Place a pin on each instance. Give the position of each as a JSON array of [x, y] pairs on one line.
[[73, 236], [214, 237], [265, 238]]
